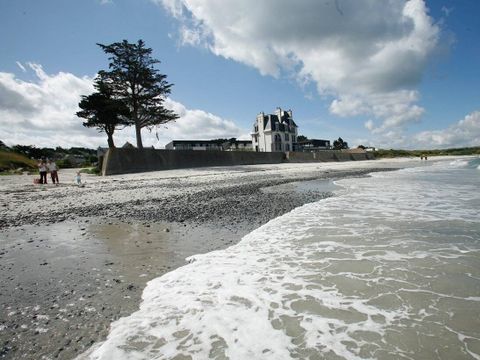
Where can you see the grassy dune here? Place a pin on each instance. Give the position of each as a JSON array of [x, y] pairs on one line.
[[10, 161]]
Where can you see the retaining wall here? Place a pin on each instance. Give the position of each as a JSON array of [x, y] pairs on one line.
[[327, 155], [123, 161]]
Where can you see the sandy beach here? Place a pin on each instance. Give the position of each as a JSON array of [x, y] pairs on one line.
[[74, 259]]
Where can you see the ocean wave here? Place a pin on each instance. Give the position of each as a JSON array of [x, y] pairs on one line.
[[379, 271]]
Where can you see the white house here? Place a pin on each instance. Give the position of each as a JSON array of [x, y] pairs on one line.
[[274, 132]]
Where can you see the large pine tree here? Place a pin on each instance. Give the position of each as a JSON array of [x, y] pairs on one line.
[[103, 111], [137, 83]]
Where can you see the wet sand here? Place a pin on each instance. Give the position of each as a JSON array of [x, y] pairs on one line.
[[74, 259]]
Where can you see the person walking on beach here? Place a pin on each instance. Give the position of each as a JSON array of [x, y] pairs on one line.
[[52, 167], [42, 168]]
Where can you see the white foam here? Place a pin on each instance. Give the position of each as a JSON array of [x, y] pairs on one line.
[[335, 277], [459, 163]]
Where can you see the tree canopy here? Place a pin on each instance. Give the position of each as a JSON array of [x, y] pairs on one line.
[[138, 84], [340, 144], [102, 110]]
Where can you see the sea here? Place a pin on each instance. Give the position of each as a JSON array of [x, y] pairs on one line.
[[388, 268]]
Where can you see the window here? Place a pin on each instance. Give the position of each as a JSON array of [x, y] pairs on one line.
[[278, 143], [287, 138]]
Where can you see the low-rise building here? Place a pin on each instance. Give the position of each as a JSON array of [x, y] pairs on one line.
[[313, 145], [274, 132], [193, 145], [237, 145], [219, 145]]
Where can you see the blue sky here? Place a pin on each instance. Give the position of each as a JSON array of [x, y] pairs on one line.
[[401, 74]]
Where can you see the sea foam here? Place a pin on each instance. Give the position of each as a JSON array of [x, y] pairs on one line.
[[386, 269]]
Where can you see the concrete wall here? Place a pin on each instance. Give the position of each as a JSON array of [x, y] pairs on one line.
[[123, 161], [327, 155]]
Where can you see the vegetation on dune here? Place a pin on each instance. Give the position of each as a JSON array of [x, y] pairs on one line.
[[392, 153], [91, 171], [10, 161], [18, 158]]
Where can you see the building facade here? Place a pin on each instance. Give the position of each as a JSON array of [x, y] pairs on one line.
[[274, 132]]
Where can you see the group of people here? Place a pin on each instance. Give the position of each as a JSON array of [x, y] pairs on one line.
[[45, 167]]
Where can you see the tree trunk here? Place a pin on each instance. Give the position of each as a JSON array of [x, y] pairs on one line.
[[110, 140], [138, 132]]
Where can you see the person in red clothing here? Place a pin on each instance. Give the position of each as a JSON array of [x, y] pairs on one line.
[[53, 169]]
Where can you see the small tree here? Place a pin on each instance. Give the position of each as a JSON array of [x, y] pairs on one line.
[[138, 84], [340, 144], [103, 111]]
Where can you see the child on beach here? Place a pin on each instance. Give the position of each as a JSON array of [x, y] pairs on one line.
[[78, 179]]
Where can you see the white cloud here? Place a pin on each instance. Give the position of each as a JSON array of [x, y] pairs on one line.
[[368, 54], [369, 125], [20, 65], [447, 11], [464, 133], [199, 124], [42, 113]]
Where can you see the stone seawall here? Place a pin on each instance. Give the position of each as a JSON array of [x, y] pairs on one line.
[[123, 161], [327, 155]]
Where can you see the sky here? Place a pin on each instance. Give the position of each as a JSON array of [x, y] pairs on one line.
[[382, 73]]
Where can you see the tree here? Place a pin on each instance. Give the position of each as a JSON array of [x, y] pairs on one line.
[[340, 144], [301, 138], [138, 84], [102, 110]]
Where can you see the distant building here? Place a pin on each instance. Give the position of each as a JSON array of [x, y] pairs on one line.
[[194, 145], [313, 145], [237, 145], [274, 132], [228, 145]]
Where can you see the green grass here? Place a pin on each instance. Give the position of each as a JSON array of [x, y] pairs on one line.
[[91, 171], [11, 162]]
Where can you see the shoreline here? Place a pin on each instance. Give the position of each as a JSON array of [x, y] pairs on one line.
[[68, 276]]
